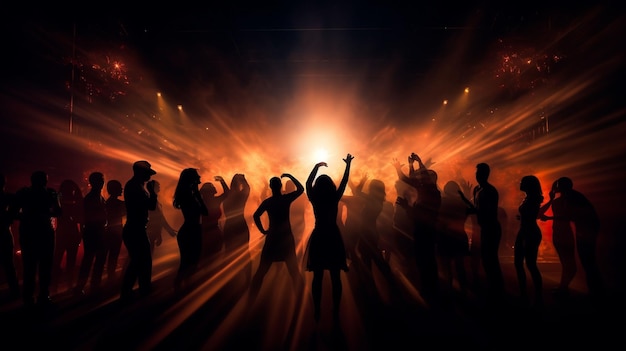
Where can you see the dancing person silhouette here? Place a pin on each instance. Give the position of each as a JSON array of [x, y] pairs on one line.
[[424, 214], [369, 237], [158, 223], [562, 238], [349, 219], [325, 248], [187, 198], [140, 198], [587, 228], [279, 243], [68, 234], [94, 232], [528, 239], [485, 206], [116, 212], [35, 207], [452, 240], [212, 235], [7, 243], [298, 217], [236, 231]]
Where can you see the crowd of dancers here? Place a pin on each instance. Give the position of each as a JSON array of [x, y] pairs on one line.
[[352, 233]]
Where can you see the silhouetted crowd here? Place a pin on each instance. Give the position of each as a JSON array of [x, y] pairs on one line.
[[425, 231]]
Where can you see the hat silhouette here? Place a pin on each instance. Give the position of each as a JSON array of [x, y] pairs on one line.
[[143, 166]]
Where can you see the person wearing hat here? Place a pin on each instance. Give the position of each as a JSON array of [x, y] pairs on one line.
[[140, 197]]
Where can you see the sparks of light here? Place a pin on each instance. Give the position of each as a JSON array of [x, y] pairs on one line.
[[266, 135]]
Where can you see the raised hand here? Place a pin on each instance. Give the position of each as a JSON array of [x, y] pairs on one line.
[[348, 159], [466, 186], [365, 177], [429, 162], [396, 164]]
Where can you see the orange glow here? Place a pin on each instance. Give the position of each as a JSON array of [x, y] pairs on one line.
[[263, 127]]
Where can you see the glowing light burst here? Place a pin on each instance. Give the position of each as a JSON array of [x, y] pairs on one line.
[[320, 154], [543, 131]]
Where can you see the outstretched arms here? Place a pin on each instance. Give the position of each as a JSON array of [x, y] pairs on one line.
[[346, 174]]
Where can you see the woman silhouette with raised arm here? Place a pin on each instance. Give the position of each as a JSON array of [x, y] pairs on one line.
[[212, 235], [236, 231], [325, 249]]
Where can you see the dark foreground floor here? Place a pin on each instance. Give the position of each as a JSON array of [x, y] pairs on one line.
[[214, 314]]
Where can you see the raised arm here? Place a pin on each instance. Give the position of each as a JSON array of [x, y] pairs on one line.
[[403, 177], [358, 189], [299, 187], [245, 185], [346, 175], [311, 178], [224, 187], [422, 169]]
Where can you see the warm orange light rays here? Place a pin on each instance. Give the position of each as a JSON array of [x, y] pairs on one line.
[[320, 120]]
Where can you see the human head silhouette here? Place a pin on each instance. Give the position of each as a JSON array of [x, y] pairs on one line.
[[208, 189], [39, 179], [276, 184], [143, 170], [324, 184], [189, 177], [377, 189], [482, 172], [530, 185], [114, 187], [451, 188], [96, 180], [564, 184]]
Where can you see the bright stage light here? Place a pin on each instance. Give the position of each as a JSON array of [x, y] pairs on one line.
[[321, 155]]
